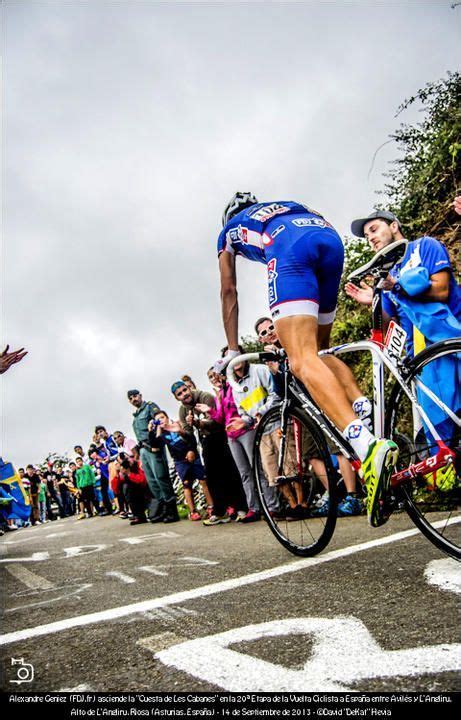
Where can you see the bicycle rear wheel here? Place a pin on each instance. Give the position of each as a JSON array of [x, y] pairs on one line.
[[292, 465], [432, 501]]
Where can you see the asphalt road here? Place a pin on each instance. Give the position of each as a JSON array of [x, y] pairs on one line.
[[100, 605]]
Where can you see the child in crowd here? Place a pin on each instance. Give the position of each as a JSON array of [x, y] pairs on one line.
[[42, 499], [85, 479], [183, 450]]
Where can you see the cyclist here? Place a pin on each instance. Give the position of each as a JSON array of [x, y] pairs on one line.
[[304, 257]]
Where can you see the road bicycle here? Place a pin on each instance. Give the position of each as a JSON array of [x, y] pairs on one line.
[[298, 450]]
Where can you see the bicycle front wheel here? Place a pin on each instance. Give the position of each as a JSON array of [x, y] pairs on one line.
[[433, 501], [293, 468]]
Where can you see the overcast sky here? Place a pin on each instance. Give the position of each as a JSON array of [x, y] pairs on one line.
[[127, 127]]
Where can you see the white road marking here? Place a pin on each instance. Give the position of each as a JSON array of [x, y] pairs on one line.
[[48, 601], [30, 579], [160, 641], [203, 591], [19, 542], [35, 557], [153, 570], [344, 652], [186, 561], [445, 573], [152, 536], [127, 579], [83, 550]]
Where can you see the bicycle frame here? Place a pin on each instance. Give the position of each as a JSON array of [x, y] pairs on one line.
[[381, 359]]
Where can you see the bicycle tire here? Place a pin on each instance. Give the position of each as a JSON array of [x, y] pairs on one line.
[[424, 505], [306, 535]]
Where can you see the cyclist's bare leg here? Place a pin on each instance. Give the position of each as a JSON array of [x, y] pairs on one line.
[[344, 375], [337, 366], [298, 335]]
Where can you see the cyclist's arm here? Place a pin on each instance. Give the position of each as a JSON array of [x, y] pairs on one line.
[[229, 299]]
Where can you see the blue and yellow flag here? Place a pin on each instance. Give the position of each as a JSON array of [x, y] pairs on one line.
[[10, 482]]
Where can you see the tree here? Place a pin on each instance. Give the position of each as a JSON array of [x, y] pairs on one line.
[[424, 180]]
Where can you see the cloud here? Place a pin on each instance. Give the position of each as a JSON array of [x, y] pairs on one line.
[[127, 128]]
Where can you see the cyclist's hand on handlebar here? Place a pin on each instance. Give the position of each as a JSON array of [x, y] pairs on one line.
[[457, 204], [222, 363], [362, 295]]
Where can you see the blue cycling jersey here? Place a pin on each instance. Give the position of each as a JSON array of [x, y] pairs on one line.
[[250, 231], [302, 251]]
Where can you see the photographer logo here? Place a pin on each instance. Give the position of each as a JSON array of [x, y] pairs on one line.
[[24, 671]]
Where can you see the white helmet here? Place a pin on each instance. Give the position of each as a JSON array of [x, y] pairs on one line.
[[238, 202]]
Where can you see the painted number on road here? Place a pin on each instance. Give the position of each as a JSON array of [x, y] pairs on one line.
[[344, 652]]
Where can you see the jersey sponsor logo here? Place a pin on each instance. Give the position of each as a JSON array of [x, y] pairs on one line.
[[272, 276], [277, 231], [238, 235], [269, 211], [309, 222]]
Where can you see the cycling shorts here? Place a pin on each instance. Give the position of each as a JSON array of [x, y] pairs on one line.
[[305, 258]]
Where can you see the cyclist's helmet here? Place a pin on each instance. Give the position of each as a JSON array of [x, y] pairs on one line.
[[236, 204]]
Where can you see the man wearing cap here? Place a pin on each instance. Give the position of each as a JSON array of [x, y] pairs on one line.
[[153, 460], [422, 293], [416, 287]]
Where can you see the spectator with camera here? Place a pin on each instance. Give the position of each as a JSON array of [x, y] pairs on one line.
[[183, 449], [133, 487]]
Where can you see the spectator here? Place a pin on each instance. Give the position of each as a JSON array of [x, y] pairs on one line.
[[350, 504], [79, 453], [42, 498], [254, 396], [53, 477], [107, 442], [7, 359], [183, 450], [66, 490], [123, 443], [187, 380], [116, 485], [153, 461], [86, 480], [134, 486], [219, 466], [99, 460], [34, 481], [422, 294]]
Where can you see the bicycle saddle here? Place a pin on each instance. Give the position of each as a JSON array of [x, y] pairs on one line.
[[383, 261]]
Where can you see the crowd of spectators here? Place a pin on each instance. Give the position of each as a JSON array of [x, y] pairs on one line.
[[199, 465]]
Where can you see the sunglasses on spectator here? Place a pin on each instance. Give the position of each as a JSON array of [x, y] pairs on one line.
[[263, 333]]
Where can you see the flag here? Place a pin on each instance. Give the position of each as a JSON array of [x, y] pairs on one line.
[[11, 484]]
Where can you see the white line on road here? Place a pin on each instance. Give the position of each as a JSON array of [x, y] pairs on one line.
[[204, 590], [67, 594], [153, 570], [35, 557], [30, 579], [121, 576]]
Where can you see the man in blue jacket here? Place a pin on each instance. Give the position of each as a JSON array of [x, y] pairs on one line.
[[421, 292]]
